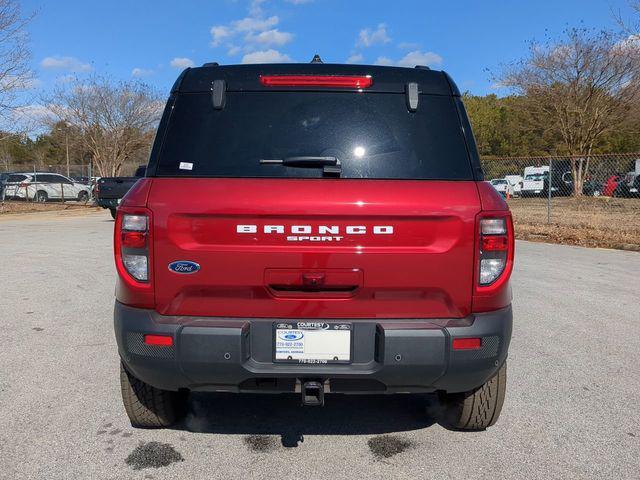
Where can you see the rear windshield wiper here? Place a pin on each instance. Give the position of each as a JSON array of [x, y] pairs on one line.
[[330, 165]]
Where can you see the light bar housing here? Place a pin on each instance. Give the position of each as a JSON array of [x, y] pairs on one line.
[[494, 257], [132, 245], [329, 81]]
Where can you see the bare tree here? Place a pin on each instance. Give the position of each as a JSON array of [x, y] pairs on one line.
[[15, 74], [630, 27], [113, 120], [578, 88]]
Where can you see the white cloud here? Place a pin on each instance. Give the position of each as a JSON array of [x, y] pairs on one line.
[[368, 37], [270, 37], [35, 113], [408, 46], [254, 24], [234, 50], [219, 33], [628, 46], [355, 58], [141, 72], [383, 61], [71, 64], [253, 35], [181, 62], [255, 8], [11, 82], [412, 59], [417, 57], [266, 56], [62, 79]]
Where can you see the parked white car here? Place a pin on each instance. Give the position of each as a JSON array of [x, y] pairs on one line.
[[502, 186], [43, 187]]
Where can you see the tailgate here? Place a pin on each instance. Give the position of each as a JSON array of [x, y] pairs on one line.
[[314, 248], [115, 187]]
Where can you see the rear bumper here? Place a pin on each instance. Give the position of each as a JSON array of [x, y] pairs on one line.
[[389, 355], [108, 202]]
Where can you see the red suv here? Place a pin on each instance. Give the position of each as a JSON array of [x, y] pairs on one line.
[[313, 228]]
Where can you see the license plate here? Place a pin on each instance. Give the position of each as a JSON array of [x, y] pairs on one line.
[[312, 342]]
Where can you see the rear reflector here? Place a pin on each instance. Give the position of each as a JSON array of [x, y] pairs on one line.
[[467, 343], [159, 340], [364, 81]]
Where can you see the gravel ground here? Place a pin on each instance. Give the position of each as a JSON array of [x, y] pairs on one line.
[[570, 409], [587, 222]]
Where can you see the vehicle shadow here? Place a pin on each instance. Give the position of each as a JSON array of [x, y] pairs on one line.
[[282, 414]]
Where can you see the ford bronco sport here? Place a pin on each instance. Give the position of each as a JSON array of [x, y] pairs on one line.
[[313, 228]]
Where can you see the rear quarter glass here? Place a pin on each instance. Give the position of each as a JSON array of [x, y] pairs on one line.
[[372, 134]]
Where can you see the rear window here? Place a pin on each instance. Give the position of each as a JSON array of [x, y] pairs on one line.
[[536, 176], [372, 134], [50, 178], [16, 178]]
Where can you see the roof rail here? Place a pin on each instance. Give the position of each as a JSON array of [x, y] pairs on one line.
[[211, 64], [422, 67]]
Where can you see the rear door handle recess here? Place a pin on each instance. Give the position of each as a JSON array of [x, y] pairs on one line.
[[332, 283]]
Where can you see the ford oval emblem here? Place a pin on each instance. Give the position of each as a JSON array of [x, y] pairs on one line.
[[184, 266], [291, 336]]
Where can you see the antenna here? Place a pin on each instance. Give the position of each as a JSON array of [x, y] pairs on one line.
[[316, 59]]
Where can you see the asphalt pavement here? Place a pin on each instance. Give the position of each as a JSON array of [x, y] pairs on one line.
[[572, 392]]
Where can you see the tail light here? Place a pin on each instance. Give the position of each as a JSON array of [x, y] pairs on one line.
[[132, 244], [135, 253], [495, 256]]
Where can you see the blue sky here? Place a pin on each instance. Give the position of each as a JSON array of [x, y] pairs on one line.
[[154, 40]]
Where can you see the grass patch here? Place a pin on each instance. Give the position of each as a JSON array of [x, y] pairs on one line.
[[9, 207]]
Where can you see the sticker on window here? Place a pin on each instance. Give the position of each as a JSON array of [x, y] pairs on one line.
[[186, 166]]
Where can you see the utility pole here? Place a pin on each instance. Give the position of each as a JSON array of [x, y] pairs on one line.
[[66, 141]]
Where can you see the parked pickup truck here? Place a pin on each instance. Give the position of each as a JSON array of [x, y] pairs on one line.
[[110, 190], [314, 229]]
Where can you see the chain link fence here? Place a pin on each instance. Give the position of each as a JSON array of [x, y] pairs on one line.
[[33, 183], [591, 201]]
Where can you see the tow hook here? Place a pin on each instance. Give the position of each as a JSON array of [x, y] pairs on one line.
[[312, 393]]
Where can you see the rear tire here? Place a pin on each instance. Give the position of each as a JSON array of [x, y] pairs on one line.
[[83, 196], [113, 213], [147, 406], [41, 196], [478, 409]]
